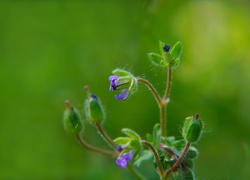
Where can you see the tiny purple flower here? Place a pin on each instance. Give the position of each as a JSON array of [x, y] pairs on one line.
[[94, 96], [124, 159], [166, 48], [119, 148], [123, 95]]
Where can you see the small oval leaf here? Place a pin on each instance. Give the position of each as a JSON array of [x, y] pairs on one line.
[[176, 51], [122, 140], [157, 59], [131, 133]]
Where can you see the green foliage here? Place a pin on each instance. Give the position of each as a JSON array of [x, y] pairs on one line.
[[50, 49], [132, 134], [123, 140], [175, 55], [157, 59], [121, 72], [144, 156]]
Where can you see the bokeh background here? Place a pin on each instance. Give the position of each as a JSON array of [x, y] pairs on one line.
[[50, 49]]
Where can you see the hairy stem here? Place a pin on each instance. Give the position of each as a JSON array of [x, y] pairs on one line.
[[164, 101], [95, 149], [105, 135], [167, 149], [157, 158], [184, 152], [163, 122], [168, 85], [151, 87]]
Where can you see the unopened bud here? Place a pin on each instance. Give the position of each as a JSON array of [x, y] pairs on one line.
[[72, 121], [188, 174], [192, 153], [192, 129], [188, 163], [94, 109]]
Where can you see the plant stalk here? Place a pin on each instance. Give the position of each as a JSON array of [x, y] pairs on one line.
[[95, 149], [105, 135], [151, 87], [157, 158], [184, 152]]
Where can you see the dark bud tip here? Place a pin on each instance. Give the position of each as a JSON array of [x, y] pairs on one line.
[[197, 116], [86, 88], [67, 104], [166, 48]]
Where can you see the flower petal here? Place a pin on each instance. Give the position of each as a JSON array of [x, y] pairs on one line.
[[124, 159], [113, 82], [123, 95]]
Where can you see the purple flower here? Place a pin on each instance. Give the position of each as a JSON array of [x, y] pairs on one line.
[[113, 82], [122, 80], [123, 95], [124, 159]]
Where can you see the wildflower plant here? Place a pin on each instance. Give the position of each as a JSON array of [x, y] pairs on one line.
[[173, 158]]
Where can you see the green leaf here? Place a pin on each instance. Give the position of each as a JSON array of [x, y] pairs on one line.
[[137, 153], [135, 144], [145, 155], [161, 48], [125, 151], [168, 140], [157, 59], [179, 144], [176, 51], [156, 135], [186, 125], [122, 140], [121, 72], [131, 133], [149, 137]]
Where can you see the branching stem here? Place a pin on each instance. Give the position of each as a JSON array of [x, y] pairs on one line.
[[184, 152], [151, 87], [162, 102], [157, 158], [105, 135], [95, 149]]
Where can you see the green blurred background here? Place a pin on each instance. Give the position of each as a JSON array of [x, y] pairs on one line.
[[50, 49]]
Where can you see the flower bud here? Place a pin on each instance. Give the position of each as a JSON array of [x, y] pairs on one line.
[[188, 163], [93, 108], [188, 174], [192, 153], [72, 121], [192, 129]]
